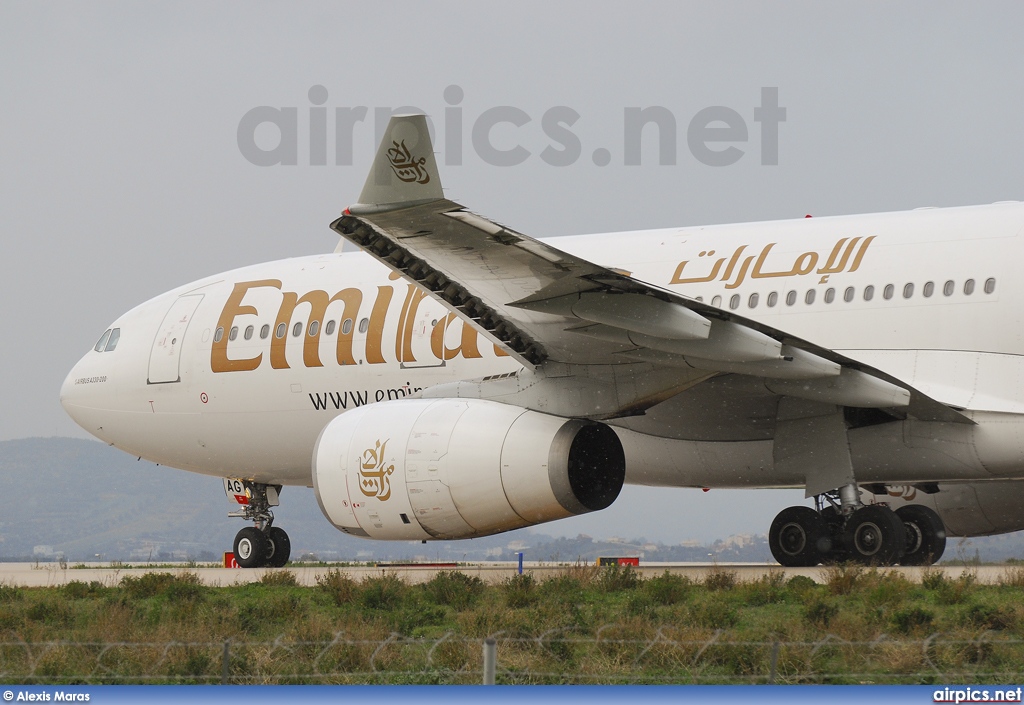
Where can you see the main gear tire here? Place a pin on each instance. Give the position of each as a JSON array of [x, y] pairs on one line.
[[926, 535], [874, 535], [799, 537]]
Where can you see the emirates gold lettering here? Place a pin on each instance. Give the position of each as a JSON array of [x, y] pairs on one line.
[[302, 317]]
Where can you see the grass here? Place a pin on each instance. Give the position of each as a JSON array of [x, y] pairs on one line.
[[584, 625]]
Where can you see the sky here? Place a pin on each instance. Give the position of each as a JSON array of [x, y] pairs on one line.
[[127, 166]]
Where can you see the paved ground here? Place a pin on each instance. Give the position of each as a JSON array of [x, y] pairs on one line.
[[51, 574]]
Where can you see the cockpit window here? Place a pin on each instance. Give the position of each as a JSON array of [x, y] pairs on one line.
[[102, 342], [115, 335]]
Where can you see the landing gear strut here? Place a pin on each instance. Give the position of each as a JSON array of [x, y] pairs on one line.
[[262, 544], [841, 528]]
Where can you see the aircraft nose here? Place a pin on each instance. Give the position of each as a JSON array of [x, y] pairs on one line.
[[85, 393]]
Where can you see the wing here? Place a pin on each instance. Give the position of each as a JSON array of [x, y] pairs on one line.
[[545, 305]]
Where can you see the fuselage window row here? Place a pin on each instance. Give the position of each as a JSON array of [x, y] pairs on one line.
[[109, 339], [849, 294]]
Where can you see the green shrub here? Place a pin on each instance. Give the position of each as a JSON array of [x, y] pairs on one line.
[[843, 578], [955, 592], [520, 590], [279, 578], [820, 613], [714, 614], [185, 586], [769, 589], [78, 590], [988, 617], [384, 593], [614, 578], [51, 611], [667, 589], [454, 589], [9, 593], [720, 579], [338, 585], [800, 586], [912, 619]]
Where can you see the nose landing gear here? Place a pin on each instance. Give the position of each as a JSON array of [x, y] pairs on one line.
[[262, 544]]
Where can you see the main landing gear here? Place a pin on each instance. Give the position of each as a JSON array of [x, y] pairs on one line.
[[263, 544], [840, 528]]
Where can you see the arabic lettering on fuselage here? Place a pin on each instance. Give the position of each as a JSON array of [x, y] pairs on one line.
[[738, 267]]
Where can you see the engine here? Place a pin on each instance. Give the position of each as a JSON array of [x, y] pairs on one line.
[[459, 468], [966, 509]]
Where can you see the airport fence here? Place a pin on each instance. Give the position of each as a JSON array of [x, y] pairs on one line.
[[609, 656]]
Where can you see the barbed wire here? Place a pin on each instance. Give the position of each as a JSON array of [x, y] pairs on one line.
[[555, 656]]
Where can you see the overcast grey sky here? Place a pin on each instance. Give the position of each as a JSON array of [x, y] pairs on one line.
[[122, 175]]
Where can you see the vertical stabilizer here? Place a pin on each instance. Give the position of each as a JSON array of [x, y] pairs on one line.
[[404, 172]]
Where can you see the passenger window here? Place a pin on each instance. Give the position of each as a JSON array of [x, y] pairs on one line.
[[115, 335], [888, 291], [908, 291], [809, 296], [830, 295], [364, 324], [716, 302], [265, 331], [102, 342], [947, 288], [869, 292], [313, 328], [297, 330], [929, 289], [330, 327], [282, 328], [219, 335], [849, 294], [248, 332], [233, 333], [790, 298], [734, 301], [968, 287], [990, 286], [773, 298], [346, 327], [752, 301]]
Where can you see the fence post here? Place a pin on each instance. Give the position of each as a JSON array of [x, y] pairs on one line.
[[490, 660], [775, 663], [225, 662]]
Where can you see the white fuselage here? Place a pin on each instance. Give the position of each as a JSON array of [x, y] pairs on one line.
[[236, 374]]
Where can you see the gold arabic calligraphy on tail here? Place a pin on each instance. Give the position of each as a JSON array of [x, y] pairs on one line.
[[804, 264]]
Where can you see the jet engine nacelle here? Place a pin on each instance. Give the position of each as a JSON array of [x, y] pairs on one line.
[[968, 509], [458, 468]]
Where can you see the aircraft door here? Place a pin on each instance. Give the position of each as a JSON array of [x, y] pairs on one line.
[[166, 353]]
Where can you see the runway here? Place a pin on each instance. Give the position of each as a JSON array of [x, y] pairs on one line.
[[52, 574]]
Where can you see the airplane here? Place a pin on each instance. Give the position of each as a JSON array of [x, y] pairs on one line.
[[455, 378]]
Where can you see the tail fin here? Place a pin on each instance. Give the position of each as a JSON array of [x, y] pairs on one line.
[[404, 171]]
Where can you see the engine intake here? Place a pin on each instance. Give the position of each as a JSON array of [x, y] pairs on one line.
[[459, 468]]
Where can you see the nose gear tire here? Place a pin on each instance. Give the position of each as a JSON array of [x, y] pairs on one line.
[[251, 547], [279, 547]]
